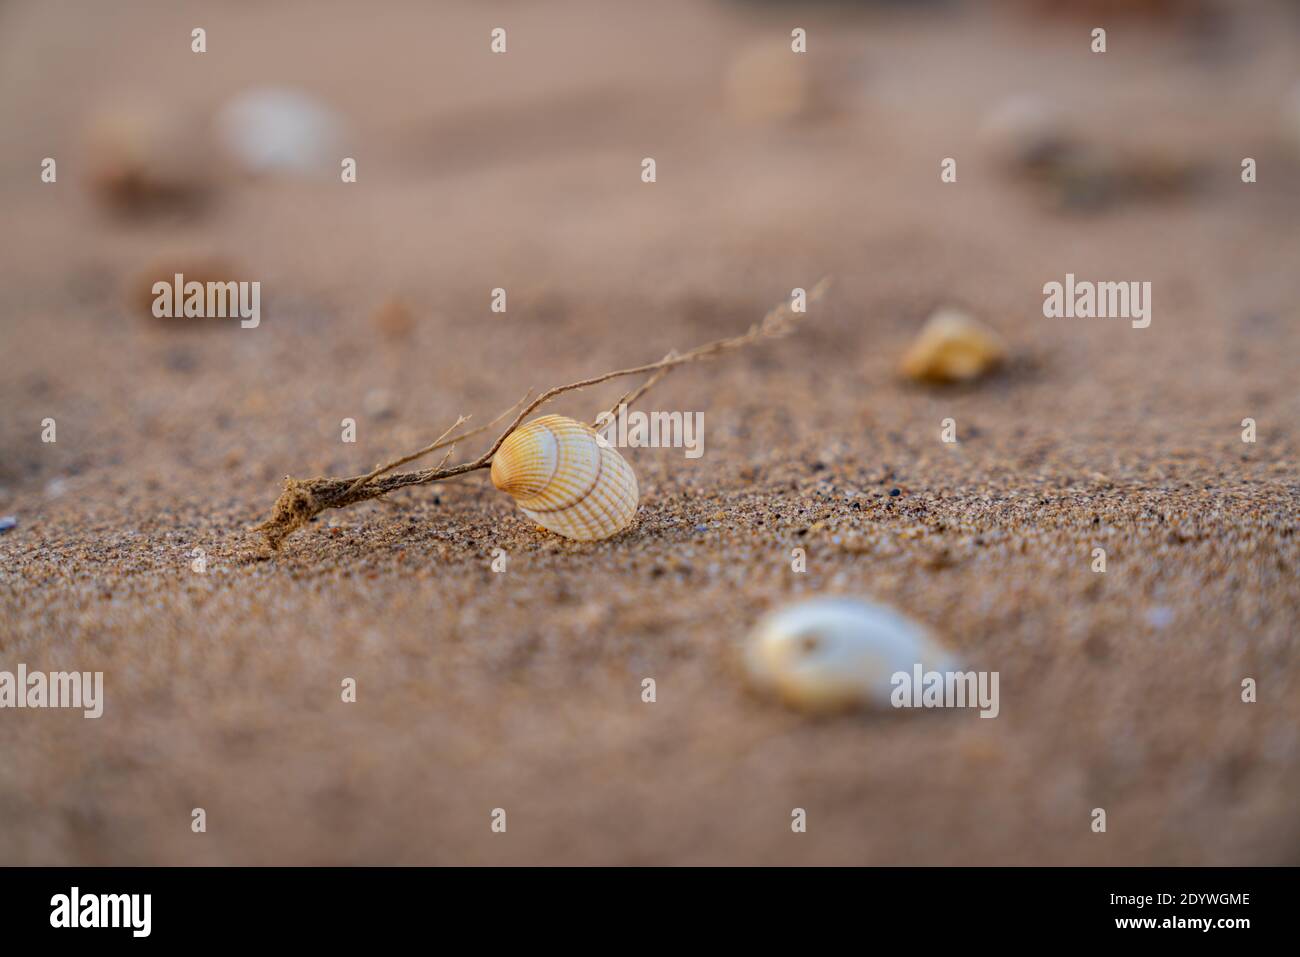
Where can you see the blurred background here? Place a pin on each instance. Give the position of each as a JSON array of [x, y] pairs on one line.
[[522, 171]]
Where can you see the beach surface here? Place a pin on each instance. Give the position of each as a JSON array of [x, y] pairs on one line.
[[522, 690]]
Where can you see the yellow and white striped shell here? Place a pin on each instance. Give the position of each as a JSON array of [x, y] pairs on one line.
[[564, 480]]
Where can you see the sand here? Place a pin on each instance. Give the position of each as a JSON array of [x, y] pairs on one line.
[[522, 690]]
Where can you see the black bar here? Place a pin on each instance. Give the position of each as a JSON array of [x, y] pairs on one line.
[[331, 907]]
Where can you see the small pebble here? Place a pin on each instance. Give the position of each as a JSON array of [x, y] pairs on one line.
[[1160, 617], [393, 319], [201, 267], [829, 654], [8, 522], [379, 403], [1024, 131]]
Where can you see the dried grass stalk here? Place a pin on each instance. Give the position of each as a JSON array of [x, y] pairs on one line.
[[304, 499]]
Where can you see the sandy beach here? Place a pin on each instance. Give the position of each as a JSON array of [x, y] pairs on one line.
[[522, 690]]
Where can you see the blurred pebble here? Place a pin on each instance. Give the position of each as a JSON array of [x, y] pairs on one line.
[[1093, 178], [180, 360], [1157, 172], [193, 266], [1160, 617], [952, 347], [393, 319], [8, 522], [828, 654], [272, 130], [379, 403], [1023, 131], [1027, 135]]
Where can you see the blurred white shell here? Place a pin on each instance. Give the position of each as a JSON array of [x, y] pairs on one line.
[[564, 480], [828, 654], [277, 130]]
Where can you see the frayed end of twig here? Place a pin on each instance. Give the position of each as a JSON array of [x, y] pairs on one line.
[[300, 502], [297, 505]]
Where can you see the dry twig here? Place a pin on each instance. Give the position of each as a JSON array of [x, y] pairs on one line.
[[302, 500]]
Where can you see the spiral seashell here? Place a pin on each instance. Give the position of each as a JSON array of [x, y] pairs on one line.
[[562, 478]]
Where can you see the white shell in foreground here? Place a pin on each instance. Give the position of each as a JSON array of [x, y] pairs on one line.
[[564, 480], [828, 654]]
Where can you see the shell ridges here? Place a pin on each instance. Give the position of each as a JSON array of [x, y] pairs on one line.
[[563, 478]]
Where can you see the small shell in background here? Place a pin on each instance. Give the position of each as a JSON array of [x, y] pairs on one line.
[[145, 157], [830, 654], [274, 130], [952, 347], [562, 478], [768, 82]]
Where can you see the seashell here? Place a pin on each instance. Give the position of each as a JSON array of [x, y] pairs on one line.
[[562, 478], [829, 654], [146, 157], [952, 347], [767, 83], [274, 130]]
